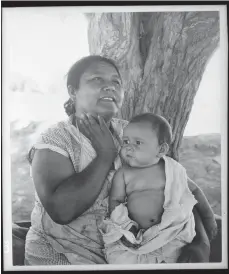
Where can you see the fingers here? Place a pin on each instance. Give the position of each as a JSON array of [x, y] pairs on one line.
[[89, 125], [102, 123], [85, 119], [85, 128], [184, 258], [190, 256], [93, 121], [89, 120]]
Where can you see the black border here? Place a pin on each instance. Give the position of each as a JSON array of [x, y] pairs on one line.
[[11, 4]]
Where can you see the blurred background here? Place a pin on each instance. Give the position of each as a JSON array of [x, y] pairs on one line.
[[39, 45]]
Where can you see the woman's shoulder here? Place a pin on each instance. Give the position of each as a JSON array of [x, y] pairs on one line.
[[56, 129], [57, 137], [56, 134]]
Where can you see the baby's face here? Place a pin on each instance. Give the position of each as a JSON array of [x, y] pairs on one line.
[[140, 145]]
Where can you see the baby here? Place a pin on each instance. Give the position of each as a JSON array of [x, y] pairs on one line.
[[144, 186], [142, 178]]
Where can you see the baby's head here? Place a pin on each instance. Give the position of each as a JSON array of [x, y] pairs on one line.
[[145, 140]]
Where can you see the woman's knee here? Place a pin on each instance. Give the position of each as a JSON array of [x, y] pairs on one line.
[[18, 241]]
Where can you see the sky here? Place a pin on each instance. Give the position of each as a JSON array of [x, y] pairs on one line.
[[42, 43]]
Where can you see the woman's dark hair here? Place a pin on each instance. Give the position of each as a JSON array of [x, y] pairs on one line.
[[76, 71], [159, 123]]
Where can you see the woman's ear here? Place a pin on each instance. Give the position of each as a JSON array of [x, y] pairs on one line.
[[72, 92], [164, 148]]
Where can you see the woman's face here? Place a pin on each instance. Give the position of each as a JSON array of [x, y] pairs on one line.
[[100, 91]]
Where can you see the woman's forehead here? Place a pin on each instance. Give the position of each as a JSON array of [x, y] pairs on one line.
[[100, 68]]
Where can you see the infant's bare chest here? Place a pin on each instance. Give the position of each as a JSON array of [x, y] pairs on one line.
[[145, 179]]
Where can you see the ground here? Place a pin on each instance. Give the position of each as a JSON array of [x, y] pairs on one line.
[[200, 155]]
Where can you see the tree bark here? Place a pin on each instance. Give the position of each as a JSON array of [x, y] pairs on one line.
[[162, 57]]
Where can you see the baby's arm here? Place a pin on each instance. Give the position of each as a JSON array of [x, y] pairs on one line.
[[204, 209], [117, 196], [118, 190]]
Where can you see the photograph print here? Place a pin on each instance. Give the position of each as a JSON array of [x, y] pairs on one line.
[[115, 140]]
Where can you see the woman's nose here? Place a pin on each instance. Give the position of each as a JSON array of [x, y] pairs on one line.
[[109, 89]]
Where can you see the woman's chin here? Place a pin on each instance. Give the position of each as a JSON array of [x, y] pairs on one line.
[[107, 115]]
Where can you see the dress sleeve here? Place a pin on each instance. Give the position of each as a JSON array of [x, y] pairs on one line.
[[53, 139]]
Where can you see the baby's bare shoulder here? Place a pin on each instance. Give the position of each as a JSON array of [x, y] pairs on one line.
[[128, 172]]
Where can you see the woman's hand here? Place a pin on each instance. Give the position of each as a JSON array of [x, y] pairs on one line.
[[99, 135], [195, 252]]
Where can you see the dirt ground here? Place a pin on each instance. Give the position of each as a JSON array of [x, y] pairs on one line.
[[200, 155]]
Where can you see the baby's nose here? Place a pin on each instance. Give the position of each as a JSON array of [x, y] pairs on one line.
[[130, 147]]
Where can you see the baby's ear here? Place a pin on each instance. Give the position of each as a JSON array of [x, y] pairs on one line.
[[164, 148]]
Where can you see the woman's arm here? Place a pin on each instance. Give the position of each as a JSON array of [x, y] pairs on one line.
[[204, 209], [65, 194], [203, 205], [201, 235], [199, 249]]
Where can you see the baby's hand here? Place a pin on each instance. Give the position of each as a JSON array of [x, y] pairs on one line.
[[210, 226]]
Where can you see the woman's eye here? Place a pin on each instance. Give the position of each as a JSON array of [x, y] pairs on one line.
[[116, 82], [97, 79], [138, 142], [125, 142]]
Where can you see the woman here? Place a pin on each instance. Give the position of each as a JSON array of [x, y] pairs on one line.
[[72, 167]]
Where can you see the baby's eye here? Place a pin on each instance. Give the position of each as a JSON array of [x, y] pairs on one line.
[[138, 142], [125, 142]]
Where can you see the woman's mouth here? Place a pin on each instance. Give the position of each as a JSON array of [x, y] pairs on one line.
[[108, 99]]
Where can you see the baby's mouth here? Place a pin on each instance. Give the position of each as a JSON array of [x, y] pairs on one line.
[[129, 157], [127, 160]]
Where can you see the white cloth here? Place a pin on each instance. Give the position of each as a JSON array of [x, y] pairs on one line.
[[161, 242]]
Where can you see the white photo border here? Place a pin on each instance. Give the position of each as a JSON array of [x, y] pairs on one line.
[[6, 187]]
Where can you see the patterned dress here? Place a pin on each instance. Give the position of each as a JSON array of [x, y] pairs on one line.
[[79, 242]]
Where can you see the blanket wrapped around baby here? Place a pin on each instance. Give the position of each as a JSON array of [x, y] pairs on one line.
[[159, 243]]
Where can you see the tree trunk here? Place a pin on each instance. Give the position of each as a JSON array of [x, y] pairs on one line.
[[162, 57]]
